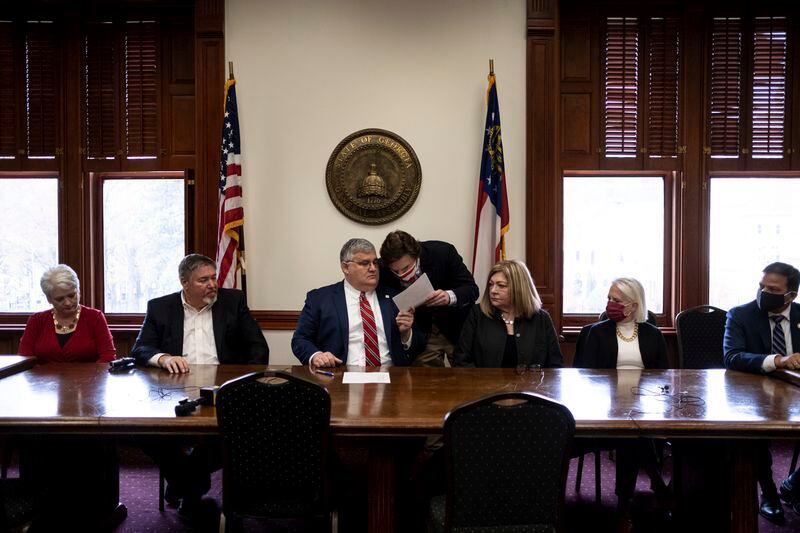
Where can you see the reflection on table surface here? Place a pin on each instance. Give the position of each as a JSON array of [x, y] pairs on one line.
[[86, 397]]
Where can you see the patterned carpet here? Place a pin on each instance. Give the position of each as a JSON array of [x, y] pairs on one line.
[[139, 491]]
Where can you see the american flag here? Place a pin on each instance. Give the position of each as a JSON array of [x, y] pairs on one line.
[[492, 219], [230, 237]]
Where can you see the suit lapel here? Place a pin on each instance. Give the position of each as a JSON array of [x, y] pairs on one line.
[[794, 324], [387, 314], [762, 319], [340, 304], [217, 321], [176, 314]]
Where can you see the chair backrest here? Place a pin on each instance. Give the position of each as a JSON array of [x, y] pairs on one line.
[[275, 430], [507, 462], [700, 332]]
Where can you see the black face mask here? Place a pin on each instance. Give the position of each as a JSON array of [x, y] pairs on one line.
[[768, 301]]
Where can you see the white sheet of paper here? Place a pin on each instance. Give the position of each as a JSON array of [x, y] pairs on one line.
[[365, 377], [415, 295]]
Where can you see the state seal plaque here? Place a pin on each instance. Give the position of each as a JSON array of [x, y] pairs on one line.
[[373, 176]]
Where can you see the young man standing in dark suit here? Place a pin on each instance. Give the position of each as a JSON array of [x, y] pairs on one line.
[[403, 260], [760, 337], [201, 324]]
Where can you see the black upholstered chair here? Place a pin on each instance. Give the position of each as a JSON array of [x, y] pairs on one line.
[[16, 504], [507, 456], [275, 430], [700, 332]]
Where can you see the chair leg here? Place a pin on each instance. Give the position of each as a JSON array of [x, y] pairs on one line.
[[579, 474], [597, 476], [160, 491], [794, 458]]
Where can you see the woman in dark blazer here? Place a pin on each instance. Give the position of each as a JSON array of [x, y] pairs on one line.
[[626, 342], [509, 328]]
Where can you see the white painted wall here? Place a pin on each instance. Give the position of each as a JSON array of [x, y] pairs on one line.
[[310, 72]]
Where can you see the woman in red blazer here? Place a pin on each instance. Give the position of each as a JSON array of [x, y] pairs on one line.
[[69, 332]]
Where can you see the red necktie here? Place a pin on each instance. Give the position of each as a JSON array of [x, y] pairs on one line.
[[373, 357]]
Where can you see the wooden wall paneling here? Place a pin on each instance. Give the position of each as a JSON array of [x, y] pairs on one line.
[[691, 276], [209, 91], [74, 248], [180, 138], [543, 211], [576, 50], [576, 139], [576, 95]]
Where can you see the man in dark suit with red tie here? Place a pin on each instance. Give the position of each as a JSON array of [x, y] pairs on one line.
[[353, 321], [760, 337]]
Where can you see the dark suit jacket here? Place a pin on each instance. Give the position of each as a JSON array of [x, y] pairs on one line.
[[600, 347], [748, 338], [236, 333], [483, 340], [447, 271], [323, 326]]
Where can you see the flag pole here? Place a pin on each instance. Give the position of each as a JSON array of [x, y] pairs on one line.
[[491, 67], [230, 70]]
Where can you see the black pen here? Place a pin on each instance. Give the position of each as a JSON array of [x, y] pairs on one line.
[[324, 373]]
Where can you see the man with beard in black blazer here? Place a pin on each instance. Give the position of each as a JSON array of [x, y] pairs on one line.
[[201, 324]]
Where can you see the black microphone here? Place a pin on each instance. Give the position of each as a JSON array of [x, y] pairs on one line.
[[121, 364]]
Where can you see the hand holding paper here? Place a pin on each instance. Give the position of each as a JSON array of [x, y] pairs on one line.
[[415, 295]]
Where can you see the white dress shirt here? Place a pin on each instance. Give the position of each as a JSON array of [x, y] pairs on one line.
[[768, 365], [355, 345], [199, 346]]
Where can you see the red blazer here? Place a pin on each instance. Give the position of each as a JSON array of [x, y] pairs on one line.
[[91, 341]]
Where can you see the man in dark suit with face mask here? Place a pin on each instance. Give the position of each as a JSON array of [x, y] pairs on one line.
[[760, 337]]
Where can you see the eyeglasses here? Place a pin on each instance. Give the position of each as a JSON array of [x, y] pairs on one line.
[[521, 369], [366, 264]]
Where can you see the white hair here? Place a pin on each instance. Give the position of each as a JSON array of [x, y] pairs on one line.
[[634, 291], [59, 276]]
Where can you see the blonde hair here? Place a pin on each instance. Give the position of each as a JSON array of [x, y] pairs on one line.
[[520, 283], [634, 291]]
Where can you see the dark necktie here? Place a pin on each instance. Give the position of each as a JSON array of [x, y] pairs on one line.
[[778, 338], [371, 352]]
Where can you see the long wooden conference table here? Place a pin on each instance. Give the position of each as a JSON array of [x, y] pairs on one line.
[[690, 404]]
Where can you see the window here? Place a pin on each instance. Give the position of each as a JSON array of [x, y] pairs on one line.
[[754, 221], [97, 130], [726, 74], [28, 239], [621, 87], [663, 87], [143, 240], [764, 112], [769, 87], [613, 227]]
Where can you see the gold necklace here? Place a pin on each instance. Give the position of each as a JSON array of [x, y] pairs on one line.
[[69, 327], [632, 338]]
